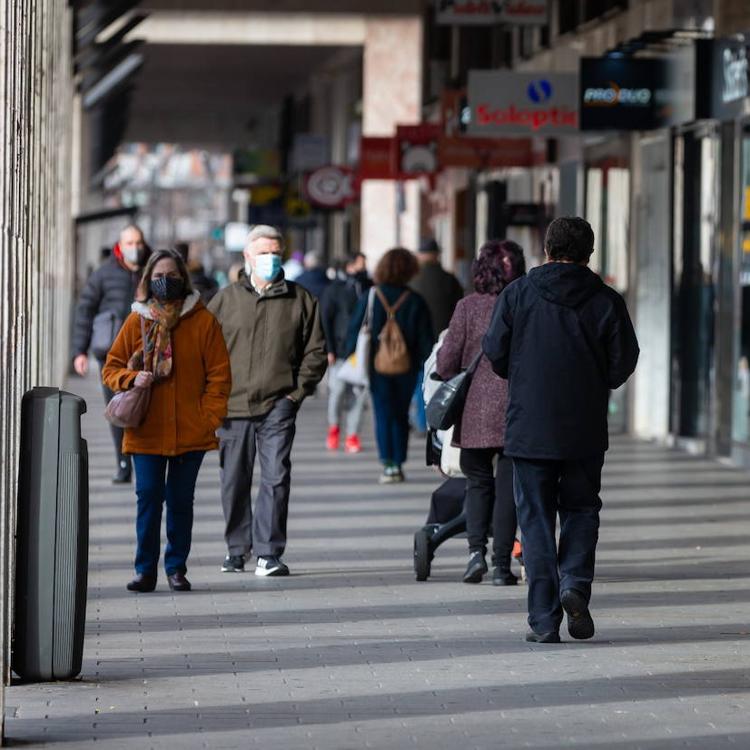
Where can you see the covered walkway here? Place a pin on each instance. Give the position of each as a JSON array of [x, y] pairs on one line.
[[351, 652]]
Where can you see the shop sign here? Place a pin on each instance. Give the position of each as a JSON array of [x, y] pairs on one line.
[[489, 12], [331, 187], [531, 104], [484, 153], [722, 83], [626, 93], [376, 158], [417, 150]]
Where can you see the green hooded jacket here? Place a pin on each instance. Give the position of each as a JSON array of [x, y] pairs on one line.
[[275, 341]]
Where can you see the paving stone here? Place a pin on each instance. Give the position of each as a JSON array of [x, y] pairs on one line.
[[351, 652]]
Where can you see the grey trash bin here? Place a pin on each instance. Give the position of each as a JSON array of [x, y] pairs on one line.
[[51, 538]]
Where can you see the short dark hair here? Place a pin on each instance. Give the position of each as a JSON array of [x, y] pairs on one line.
[[397, 267], [499, 262], [353, 257], [144, 289], [569, 238]]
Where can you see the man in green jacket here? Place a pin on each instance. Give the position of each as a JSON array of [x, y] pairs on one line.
[[277, 349]]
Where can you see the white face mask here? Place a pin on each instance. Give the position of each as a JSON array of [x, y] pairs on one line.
[[132, 255], [267, 266]]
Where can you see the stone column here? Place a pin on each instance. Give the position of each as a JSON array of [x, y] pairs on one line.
[[392, 96]]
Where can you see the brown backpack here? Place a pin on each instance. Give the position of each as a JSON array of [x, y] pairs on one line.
[[392, 356]]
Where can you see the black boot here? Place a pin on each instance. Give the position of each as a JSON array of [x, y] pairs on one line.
[[501, 576], [124, 473]]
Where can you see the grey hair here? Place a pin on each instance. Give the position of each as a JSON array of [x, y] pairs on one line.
[[264, 232]]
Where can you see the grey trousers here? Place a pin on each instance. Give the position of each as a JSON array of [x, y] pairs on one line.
[[344, 398], [270, 437]]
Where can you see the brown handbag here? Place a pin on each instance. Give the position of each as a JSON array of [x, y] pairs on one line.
[[129, 408]]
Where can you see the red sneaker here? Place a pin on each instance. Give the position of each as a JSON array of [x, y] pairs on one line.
[[352, 444], [332, 441]]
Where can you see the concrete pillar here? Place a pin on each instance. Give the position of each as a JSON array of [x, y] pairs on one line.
[[36, 92], [392, 96]]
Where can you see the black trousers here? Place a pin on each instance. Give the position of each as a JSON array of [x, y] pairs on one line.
[[270, 438], [489, 500], [544, 490], [117, 432]]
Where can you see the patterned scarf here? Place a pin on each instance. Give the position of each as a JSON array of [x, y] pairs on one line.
[[156, 352]]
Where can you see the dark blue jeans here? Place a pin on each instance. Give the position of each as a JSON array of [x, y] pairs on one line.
[[171, 479], [543, 490], [391, 396]]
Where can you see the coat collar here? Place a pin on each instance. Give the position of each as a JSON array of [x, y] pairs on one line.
[[191, 301]]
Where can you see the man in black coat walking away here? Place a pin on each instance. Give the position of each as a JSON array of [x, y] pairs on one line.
[[563, 339], [102, 308]]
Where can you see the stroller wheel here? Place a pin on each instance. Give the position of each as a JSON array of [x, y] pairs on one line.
[[422, 556]]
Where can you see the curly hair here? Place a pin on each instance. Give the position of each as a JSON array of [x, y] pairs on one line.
[[569, 238], [499, 262], [397, 267]]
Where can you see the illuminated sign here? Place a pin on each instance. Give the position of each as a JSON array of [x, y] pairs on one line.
[[721, 85], [505, 104], [637, 93]]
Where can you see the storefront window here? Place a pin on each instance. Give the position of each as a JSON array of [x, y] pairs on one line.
[[741, 419]]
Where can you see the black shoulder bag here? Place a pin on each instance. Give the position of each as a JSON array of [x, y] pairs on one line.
[[445, 407]]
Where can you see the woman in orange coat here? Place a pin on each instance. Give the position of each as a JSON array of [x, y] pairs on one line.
[[186, 364]]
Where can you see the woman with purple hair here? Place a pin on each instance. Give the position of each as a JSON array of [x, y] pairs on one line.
[[481, 431]]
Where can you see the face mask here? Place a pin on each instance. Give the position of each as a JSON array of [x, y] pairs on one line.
[[167, 289], [267, 266], [133, 255]]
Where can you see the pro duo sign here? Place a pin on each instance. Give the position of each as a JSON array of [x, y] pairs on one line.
[[531, 104]]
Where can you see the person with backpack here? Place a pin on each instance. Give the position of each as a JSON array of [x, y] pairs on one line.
[[401, 340]]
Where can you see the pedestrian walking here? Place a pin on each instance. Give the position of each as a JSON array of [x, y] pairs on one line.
[[102, 308], [345, 401], [441, 291], [563, 339], [399, 322], [480, 434], [184, 361], [314, 278], [277, 348]]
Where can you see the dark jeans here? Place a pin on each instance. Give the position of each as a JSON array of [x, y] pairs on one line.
[[270, 437], [489, 499], [160, 478], [117, 432], [391, 396], [543, 490]]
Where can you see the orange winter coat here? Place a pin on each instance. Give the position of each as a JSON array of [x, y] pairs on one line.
[[187, 407]]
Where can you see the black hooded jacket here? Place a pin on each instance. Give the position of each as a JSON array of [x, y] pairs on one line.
[[563, 339]]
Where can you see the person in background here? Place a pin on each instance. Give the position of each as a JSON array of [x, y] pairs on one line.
[[314, 278], [277, 348], [345, 401], [391, 394], [102, 308], [294, 266], [202, 282], [563, 339], [481, 431], [441, 291], [185, 362]]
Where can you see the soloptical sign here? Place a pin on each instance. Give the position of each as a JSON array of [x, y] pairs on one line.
[[488, 12], [532, 104]]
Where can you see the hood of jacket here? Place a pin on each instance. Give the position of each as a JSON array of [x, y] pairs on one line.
[[566, 284], [191, 301]]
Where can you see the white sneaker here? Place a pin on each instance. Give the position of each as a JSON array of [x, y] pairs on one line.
[[270, 566]]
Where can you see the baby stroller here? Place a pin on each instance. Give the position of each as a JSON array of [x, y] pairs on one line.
[[446, 518]]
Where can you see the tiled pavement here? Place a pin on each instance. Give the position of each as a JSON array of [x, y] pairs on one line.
[[352, 652]]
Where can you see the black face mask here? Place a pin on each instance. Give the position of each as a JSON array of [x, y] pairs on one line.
[[167, 289]]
